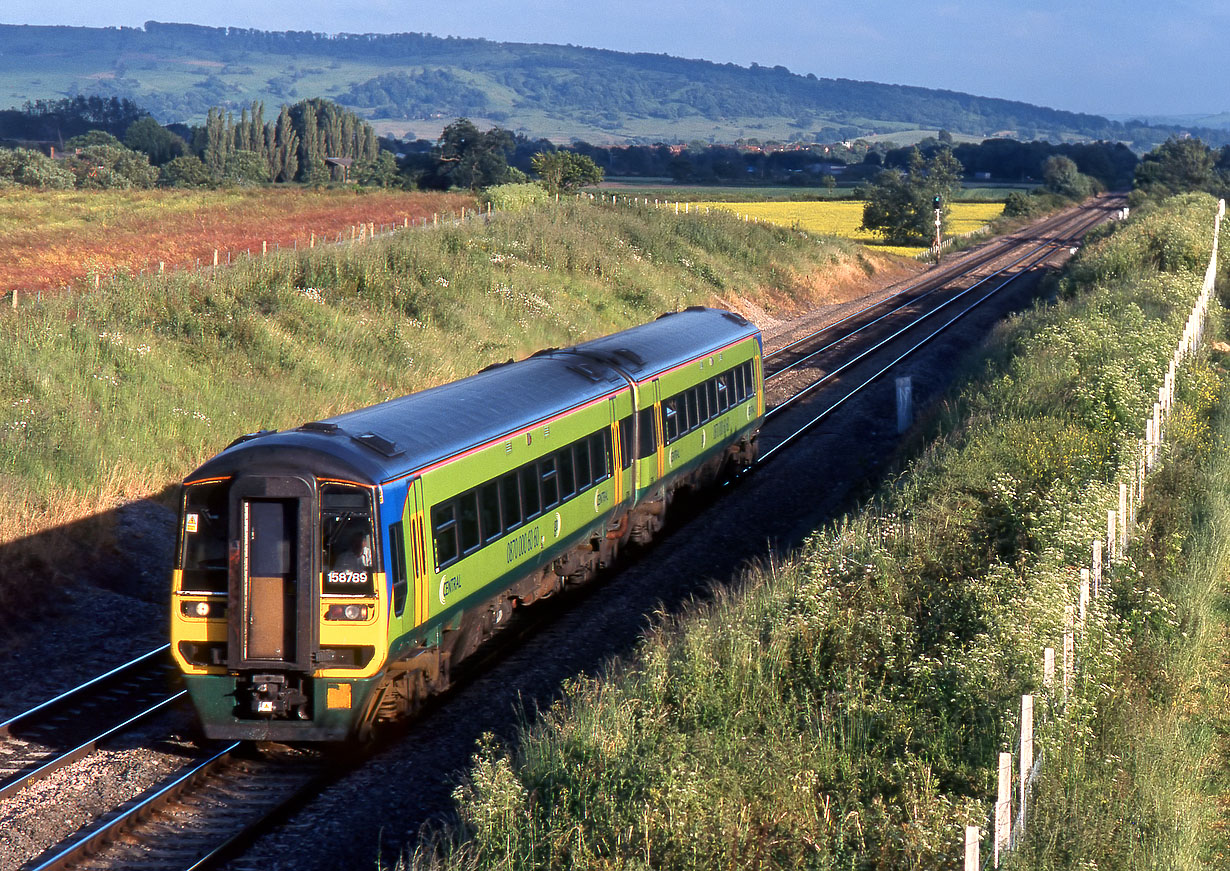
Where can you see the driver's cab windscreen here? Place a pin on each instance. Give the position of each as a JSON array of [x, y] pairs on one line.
[[349, 546], [203, 538]]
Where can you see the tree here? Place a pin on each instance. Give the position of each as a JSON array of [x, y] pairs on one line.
[[381, 172], [219, 141], [1061, 176], [246, 167], [1175, 166], [109, 166], [91, 138], [565, 171], [155, 141], [472, 159], [900, 206], [185, 172], [283, 149]]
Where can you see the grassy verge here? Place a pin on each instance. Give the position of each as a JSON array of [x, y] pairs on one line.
[[114, 395], [1139, 778], [845, 709]]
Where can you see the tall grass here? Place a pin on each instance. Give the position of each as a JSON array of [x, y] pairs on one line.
[[844, 709], [1137, 779], [112, 395]]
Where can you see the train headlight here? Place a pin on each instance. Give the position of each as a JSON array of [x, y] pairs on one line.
[[347, 612], [204, 610]]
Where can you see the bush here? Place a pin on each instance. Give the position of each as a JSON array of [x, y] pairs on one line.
[[246, 168], [112, 167], [515, 197], [185, 172], [34, 169]]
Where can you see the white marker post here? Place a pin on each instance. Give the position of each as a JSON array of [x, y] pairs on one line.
[[905, 403]]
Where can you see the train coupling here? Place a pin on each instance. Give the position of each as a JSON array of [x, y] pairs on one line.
[[274, 696]]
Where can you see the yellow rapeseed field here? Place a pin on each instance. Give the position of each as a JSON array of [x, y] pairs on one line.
[[843, 217]]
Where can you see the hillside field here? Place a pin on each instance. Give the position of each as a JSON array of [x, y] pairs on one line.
[[53, 239]]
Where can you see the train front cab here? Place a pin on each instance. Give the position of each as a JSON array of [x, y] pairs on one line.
[[277, 619]]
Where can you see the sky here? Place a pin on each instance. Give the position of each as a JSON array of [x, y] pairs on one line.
[[1117, 57]]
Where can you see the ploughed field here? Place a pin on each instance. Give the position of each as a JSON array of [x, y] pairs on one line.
[[55, 239]]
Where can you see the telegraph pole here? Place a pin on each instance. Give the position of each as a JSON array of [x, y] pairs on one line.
[[938, 204]]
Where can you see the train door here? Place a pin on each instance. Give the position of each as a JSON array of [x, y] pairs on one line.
[[617, 457], [648, 443], [417, 552], [270, 574], [659, 435]]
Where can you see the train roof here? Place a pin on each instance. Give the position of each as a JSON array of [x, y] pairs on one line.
[[671, 340], [400, 436]]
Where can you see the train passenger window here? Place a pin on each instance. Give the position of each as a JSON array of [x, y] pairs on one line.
[[723, 392], [670, 418], [444, 534], [489, 511], [510, 500], [550, 484], [702, 403], [563, 471], [467, 520], [751, 378], [740, 385], [711, 389], [529, 490], [401, 581], [580, 457], [203, 545], [693, 410], [348, 564], [647, 440], [625, 441]]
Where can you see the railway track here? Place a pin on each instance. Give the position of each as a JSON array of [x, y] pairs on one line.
[[898, 327], [210, 808], [1058, 230], [195, 817], [71, 726]]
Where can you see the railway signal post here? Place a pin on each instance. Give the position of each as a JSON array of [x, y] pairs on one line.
[[938, 205]]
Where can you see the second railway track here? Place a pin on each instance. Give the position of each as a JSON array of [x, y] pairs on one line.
[[50, 736]]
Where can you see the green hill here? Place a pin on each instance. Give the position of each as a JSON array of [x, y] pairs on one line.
[[415, 83]]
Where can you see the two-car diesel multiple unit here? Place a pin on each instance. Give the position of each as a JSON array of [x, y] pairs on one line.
[[328, 577]]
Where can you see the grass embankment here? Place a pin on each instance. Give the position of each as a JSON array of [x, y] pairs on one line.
[[55, 239], [1141, 777], [845, 709], [114, 395], [1137, 776]]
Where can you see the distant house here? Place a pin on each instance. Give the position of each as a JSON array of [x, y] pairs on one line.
[[48, 147], [344, 162]]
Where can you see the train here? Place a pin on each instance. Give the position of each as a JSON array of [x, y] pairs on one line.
[[331, 577]]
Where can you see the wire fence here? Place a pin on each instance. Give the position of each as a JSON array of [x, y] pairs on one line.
[[355, 234]]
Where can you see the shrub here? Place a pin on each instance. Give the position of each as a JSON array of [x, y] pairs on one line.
[[515, 197], [34, 169]]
